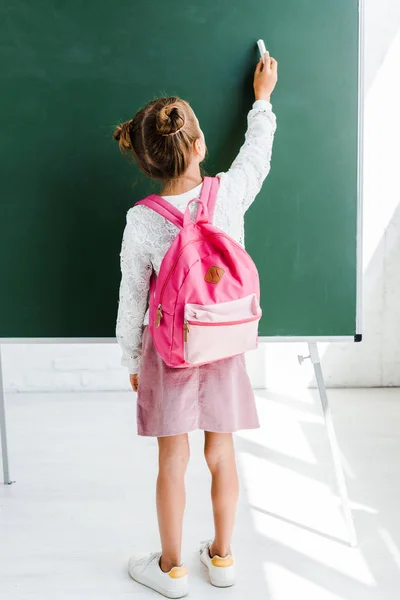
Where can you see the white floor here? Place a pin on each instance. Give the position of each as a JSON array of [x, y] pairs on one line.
[[84, 498]]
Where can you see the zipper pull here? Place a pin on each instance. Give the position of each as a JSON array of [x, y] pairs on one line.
[[159, 316], [186, 330]]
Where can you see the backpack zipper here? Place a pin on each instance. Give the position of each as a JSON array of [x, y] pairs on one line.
[[186, 330], [159, 313], [186, 324], [223, 323]]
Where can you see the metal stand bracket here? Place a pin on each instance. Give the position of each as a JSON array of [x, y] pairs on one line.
[[335, 451], [3, 431]]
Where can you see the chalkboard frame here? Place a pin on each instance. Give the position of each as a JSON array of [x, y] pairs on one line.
[[359, 241]]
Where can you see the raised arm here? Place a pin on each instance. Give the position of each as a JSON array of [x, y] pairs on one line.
[[136, 271], [252, 164]]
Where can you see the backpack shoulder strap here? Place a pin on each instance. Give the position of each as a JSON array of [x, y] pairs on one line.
[[163, 208], [209, 195]]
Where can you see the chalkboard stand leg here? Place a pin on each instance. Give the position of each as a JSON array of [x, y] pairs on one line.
[[3, 432], [314, 356]]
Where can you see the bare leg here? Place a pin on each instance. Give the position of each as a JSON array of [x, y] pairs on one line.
[[171, 497], [219, 452]]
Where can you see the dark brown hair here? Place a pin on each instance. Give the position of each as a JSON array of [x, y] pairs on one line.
[[160, 137]]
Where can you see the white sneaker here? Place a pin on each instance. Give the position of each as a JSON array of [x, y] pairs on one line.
[[221, 570], [147, 571]]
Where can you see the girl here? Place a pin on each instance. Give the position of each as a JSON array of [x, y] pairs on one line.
[[167, 143]]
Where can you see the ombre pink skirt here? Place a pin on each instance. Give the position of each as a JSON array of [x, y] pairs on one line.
[[217, 397]]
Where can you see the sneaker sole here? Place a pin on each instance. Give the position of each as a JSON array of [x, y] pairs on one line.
[[222, 584], [166, 593]]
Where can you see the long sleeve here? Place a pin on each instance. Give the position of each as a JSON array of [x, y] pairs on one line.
[[252, 164], [136, 269]]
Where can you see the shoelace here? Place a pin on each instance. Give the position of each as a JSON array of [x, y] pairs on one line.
[[146, 560], [204, 545]]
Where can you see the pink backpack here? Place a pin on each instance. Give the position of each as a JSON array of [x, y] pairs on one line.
[[204, 304]]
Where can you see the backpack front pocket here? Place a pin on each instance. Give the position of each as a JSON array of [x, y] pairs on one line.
[[216, 331]]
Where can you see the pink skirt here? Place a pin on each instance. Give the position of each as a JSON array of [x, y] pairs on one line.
[[217, 397]]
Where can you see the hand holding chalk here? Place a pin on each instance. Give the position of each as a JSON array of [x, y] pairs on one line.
[[266, 74], [262, 48]]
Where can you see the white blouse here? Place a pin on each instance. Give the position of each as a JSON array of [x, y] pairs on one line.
[[148, 236]]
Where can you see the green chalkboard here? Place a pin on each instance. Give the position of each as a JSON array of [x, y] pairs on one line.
[[72, 70]]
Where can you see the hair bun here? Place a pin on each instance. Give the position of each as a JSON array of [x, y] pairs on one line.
[[122, 135], [170, 119]]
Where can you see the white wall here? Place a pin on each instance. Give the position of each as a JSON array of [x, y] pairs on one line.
[[376, 361]]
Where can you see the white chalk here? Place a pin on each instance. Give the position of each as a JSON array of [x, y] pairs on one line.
[[262, 48]]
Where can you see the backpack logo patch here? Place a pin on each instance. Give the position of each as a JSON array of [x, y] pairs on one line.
[[214, 275]]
